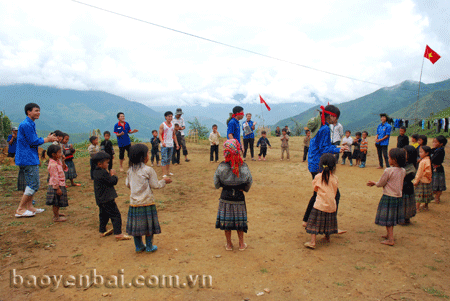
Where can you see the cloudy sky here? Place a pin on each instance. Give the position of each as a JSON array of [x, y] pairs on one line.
[[68, 45]]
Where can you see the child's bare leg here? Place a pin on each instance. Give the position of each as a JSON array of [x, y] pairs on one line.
[[390, 236], [437, 197], [313, 239], [229, 245], [56, 215], [242, 245]]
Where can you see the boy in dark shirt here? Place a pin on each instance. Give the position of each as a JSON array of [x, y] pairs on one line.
[[107, 146], [155, 147], [402, 139], [105, 195], [263, 141], [176, 152]]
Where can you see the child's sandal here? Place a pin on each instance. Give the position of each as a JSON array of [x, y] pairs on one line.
[[123, 237], [108, 232]]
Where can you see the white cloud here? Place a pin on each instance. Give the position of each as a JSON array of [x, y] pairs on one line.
[[74, 46]]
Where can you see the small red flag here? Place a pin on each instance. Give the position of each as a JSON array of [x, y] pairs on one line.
[[264, 102], [431, 55]]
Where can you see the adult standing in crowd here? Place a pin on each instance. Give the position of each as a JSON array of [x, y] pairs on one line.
[[233, 127], [180, 121], [12, 142], [249, 136], [382, 140], [122, 129], [337, 132], [27, 157]]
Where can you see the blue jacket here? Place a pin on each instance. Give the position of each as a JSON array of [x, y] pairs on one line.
[[12, 147], [320, 144], [123, 140], [234, 128], [383, 130], [27, 144]]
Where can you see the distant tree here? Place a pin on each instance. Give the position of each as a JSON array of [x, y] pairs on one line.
[[5, 127], [297, 129], [201, 129]]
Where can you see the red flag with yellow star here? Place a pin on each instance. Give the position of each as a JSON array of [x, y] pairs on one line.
[[431, 55], [264, 102]]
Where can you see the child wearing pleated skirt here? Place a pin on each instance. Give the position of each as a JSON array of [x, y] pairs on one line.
[[437, 158], [409, 199], [422, 182], [142, 214], [56, 192], [322, 219], [390, 209]]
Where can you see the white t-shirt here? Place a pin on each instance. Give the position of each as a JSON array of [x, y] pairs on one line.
[[168, 135], [348, 142], [179, 121]]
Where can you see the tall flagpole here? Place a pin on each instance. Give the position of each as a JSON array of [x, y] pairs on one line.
[[418, 91], [262, 113]]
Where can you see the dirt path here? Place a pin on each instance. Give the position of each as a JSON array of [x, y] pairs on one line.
[[354, 266]]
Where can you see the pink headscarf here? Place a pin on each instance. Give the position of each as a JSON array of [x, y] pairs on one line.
[[232, 153]]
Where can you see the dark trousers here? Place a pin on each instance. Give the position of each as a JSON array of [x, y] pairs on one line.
[[382, 151], [110, 164], [249, 142], [263, 151], [108, 211], [347, 155], [176, 155], [305, 152], [337, 143], [214, 151], [363, 157], [92, 169], [313, 200], [155, 155]]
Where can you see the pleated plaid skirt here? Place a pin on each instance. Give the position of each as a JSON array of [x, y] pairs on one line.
[[143, 221], [320, 222], [232, 216], [424, 193], [72, 172], [21, 184], [390, 211], [57, 200], [438, 181], [409, 204]]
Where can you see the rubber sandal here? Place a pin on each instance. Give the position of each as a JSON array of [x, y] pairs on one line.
[[108, 232], [27, 213], [245, 247], [39, 210], [310, 245], [124, 237], [170, 174], [153, 249], [228, 249]]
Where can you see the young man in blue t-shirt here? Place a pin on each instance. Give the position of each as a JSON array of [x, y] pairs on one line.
[[382, 140], [122, 129]]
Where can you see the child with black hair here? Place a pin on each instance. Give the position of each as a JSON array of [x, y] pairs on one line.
[[56, 192], [423, 140], [105, 196], [414, 138], [363, 148], [214, 142], [108, 148], [154, 141], [422, 181], [176, 151], [402, 139], [347, 141], [357, 148], [93, 149], [390, 209], [263, 142], [437, 158], [323, 218], [306, 142], [409, 199], [284, 144], [68, 151], [142, 215]]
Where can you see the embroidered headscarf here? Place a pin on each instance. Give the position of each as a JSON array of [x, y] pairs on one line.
[[232, 154]]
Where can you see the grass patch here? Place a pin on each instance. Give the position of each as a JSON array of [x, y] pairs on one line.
[[431, 267], [439, 260], [339, 283], [15, 223], [359, 268], [434, 292], [264, 271], [77, 255]]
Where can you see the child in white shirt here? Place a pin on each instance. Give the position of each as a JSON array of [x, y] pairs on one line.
[[347, 141]]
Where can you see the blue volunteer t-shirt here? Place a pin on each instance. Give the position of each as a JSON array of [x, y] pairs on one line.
[[383, 130], [234, 128], [27, 144], [123, 140], [12, 147], [252, 134]]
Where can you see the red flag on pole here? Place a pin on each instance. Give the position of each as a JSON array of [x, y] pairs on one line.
[[264, 102], [431, 55]]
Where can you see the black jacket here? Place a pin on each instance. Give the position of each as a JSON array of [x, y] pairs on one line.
[[104, 186]]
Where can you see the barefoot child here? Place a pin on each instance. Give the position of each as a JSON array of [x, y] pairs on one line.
[[56, 192], [214, 142], [437, 158], [357, 148], [263, 142], [68, 149], [322, 219], [142, 215], [105, 195], [93, 149], [409, 199], [390, 209], [234, 176], [108, 148], [422, 182]]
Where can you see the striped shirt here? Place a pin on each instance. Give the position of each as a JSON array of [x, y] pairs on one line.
[[364, 144]]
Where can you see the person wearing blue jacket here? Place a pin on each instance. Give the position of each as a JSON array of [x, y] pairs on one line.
[[27, 157], [321, 144]]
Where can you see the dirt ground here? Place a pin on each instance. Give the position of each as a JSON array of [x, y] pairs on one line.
[[354, 266]]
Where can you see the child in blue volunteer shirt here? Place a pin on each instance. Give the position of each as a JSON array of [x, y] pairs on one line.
[[12, 142], [122, 129]]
